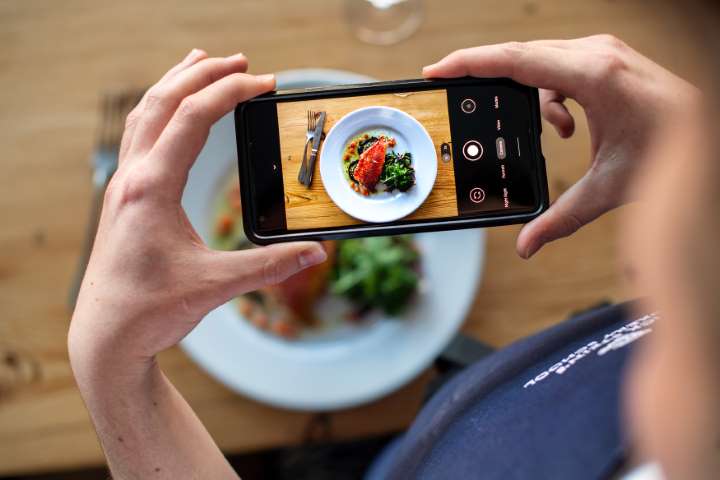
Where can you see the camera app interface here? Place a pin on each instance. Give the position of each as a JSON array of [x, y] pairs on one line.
[[402, 157]]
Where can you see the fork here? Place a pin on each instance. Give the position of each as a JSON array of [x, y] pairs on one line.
[[114, 107], [312, 119]]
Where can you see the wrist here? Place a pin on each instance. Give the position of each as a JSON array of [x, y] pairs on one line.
[[101, 365]]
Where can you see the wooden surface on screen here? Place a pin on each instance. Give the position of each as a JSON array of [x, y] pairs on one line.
[[312, 207]]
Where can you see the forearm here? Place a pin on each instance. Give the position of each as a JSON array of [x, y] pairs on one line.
[[151, 279], [146, 428]]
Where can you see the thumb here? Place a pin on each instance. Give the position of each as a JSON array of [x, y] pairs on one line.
[[246, 270], [580, 204]]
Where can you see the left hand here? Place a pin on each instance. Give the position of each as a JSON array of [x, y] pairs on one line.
[[151, 278]]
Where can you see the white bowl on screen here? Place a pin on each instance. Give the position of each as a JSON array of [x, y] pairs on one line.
[[348, 368], [410, 136]]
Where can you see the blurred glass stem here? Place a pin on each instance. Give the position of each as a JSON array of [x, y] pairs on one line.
[[383, 22]]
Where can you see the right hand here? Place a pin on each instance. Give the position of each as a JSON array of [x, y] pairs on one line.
[[627, 99]]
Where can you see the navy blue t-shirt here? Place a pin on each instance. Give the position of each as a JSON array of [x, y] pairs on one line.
[[546, 407]]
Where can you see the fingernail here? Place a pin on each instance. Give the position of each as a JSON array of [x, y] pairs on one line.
[[427, 68], [194, 53], [311, 257], [532, 250], [237, 56], [267, 77]]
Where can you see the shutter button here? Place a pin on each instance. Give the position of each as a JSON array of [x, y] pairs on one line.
[[472, 150]]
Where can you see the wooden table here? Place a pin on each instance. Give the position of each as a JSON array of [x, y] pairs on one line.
[[55, 59]]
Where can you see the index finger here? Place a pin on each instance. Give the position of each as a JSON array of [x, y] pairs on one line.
[[544, 65], [186, 133]]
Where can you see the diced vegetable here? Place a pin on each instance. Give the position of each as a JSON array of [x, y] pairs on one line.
[[225, 224], [365, 142], [260, 320], [284, 328]]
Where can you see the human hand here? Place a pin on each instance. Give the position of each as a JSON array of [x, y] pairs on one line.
[[150, 278], [627, 99]]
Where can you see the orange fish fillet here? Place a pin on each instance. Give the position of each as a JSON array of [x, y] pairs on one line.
[[371, 163]]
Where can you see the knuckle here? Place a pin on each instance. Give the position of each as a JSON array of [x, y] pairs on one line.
[[515, 49], [189, 109], [515, 52], [111, 190], [135, 185], [610, 65], [460, 55], [570, 224], [132, 118], [272, 271], [156, 97], [611, 41], [210, 70]]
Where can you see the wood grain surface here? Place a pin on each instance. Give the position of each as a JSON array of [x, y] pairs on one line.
[[56, 59], [313, 208]]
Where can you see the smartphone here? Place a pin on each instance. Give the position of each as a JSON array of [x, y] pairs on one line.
[[389, 158]]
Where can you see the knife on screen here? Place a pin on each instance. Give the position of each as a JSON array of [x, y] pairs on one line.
[[315, 147]]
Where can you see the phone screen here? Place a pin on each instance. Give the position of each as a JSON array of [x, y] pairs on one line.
[[399, 157]]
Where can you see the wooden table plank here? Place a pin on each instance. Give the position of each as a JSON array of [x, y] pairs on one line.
[[57, 57]]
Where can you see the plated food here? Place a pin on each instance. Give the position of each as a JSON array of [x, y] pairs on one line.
[[372, 165], [372, 274], [377, 273], [378, 164]]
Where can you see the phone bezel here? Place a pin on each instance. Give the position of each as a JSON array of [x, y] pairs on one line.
[[364, 229]]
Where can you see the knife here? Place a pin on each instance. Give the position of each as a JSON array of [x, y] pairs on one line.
[[315, 146]]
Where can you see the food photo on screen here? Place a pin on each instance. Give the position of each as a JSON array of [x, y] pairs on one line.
[[379, 159]]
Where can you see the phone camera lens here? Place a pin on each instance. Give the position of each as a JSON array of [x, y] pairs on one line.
[[445, 152], [468, 105]]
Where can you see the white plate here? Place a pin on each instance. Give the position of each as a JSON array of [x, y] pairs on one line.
[[410, 136], [347, 368]]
